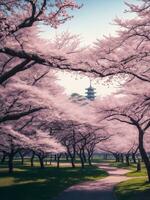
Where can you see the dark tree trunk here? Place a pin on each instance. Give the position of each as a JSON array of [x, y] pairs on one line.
[[22, 158], [81, 159], [144, 154], [55, 158], [58, 160], [67, 157], [89, 161], [84, 156], [139, 165], [3, 158], [32, 159], [50, 161], [73, 162], [72, 158], [82, 162], [116, 157], [10, 163], [89, 153], [41, 160], [134, 158], [122, 158], [127, 159]]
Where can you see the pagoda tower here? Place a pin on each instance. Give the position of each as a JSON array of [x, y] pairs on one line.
[[90, 92]]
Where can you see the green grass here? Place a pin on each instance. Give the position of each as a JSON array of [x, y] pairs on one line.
[[124, 165], [132, 167], [134, 189], [42, 184], [134, 172]]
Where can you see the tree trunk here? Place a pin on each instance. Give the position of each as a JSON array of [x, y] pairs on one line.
[[32, 159], [73, 162], [67, 157], [81, 159], [89, 161], [116, 157], [134, 158], [72, 158], [22, 158], [46, 162], [55, 158], [122, 158], [10, 163], [89, 157], [50, 161], [58, 160], [84, 156], [3, 158], [127, 160], [41, 159], [144, 154], [82, 162], [139, 165]]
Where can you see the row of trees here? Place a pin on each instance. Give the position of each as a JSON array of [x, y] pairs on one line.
[[79, 139], [28, 90], [45, 139]]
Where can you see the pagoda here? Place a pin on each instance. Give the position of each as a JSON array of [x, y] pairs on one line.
[[90, 92]]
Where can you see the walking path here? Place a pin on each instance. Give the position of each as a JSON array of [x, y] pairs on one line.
[[96, 190]]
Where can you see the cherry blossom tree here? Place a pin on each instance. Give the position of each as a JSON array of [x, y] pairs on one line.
[[20, 15], [127, 53], [17, 20], [11, 143], [43, 145], [78, 138], [113, 55], [135, 114]]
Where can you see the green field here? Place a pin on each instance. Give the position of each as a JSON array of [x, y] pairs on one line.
[[28, 183]]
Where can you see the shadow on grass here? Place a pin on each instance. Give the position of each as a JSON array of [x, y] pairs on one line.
[[134, 189], [43, 184]]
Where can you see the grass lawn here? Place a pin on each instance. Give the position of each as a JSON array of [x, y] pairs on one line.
[[133, 189], [132, 167], [28, 183]]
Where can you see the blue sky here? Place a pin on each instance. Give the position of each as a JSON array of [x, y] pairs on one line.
[[93, 20]]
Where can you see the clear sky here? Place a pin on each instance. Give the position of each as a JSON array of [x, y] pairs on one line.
[[92, 21]]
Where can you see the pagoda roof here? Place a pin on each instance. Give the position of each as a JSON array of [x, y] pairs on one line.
[[90, 88]]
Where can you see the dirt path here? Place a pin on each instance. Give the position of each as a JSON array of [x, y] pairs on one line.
[[96, 190]]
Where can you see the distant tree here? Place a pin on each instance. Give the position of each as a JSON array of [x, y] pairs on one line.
[[43, 145], [11, 143]]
